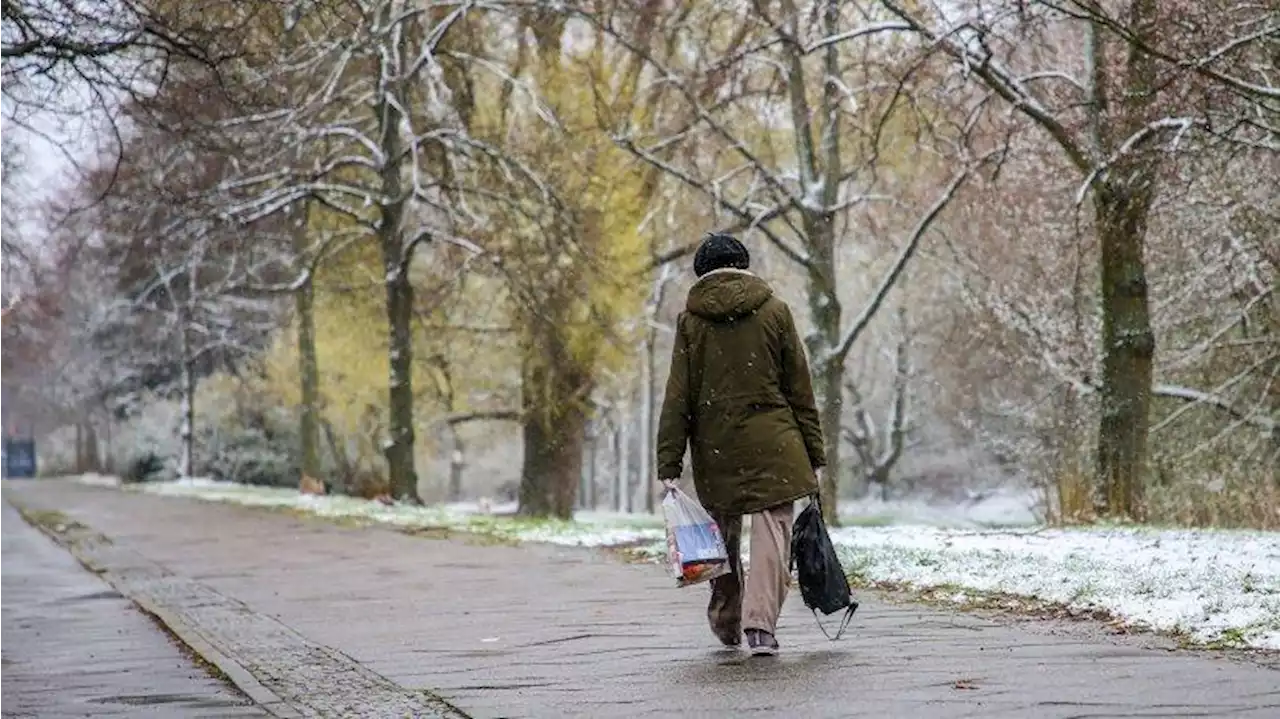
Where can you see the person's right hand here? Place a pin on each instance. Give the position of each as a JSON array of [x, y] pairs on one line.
[[668, 485]]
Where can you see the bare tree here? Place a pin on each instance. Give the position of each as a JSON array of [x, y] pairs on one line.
[[71, 67], [82, 61], [18, 265], [1144, 88], [173, 271], [190, 297], [1216, 315], [375, 136], [879, 448], [776, 59]]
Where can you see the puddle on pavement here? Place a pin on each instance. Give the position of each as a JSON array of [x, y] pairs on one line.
[[186, 700], [730, 665], [106, 594]]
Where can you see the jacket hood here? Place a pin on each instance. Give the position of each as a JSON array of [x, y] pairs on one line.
[[727, 295]]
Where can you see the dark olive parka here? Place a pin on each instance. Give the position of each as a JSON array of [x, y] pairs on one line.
[[740, 396]]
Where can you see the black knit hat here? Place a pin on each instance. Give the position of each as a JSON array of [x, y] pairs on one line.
[[719, 251]]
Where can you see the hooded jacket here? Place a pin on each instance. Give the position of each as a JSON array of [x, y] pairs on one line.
[[740, 397]]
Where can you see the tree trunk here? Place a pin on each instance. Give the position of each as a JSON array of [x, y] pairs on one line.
[[187, 463], [309, 376], [591, 472], [1275, 456], [109, 450], [77, 465], [90, 445], [1128, 344], [580, 502], [401, 475], [552, 461], [823, 168], [624, 462], [1122, 202], [649, 409], [457, 466], [555, 429], [346, 473], [825, 362], [308, 361], [617, 468], [832, 409]]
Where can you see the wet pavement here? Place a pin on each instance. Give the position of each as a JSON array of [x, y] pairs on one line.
[[534, 631], [74, 647]]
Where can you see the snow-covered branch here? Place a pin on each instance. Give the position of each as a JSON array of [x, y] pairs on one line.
[[1203, 65], [749, 220], [1179, 127], [855, 33], [1197, 397], [908, 250], [1004, 82]]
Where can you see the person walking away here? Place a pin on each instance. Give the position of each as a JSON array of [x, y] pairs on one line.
[[740, 397]]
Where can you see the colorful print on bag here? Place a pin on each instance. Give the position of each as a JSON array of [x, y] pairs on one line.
[[695, 547]]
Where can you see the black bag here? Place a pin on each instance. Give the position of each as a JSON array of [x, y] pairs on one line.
[[823, 584]]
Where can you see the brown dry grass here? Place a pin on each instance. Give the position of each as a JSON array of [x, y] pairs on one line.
[[1070, 496], [1252, 505]]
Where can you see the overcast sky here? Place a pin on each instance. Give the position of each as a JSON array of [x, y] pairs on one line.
[[56, 145], [45, 168]]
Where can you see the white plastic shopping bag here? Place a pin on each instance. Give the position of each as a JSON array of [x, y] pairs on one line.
[[695, 548]]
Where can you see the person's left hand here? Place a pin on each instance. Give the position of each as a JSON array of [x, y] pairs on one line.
[[668, 485]]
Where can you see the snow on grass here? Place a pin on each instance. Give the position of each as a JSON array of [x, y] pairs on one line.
[[99, 480], [1213, 586], [590, 530]]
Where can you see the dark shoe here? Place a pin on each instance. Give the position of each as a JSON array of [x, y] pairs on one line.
[[731, 639], [761, 643]]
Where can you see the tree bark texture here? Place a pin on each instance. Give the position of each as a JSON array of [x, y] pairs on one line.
[[309, 381], [1128, 345], [398, 448], [555, 421]]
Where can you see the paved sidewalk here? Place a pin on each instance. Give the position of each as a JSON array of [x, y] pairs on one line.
[[504, 631], [73, 647]]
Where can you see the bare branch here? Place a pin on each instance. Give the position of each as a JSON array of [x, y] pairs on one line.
[[1196, 397], [905, 254], [496, 415]]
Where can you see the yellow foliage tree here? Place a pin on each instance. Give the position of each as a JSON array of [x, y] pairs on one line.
[[450, 365], [572, 254]]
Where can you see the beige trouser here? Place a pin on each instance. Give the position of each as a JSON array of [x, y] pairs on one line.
[[730, 612]]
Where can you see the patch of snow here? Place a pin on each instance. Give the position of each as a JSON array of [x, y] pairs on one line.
[[99, 480], [482, 506], [590, 530], [1214, 585]]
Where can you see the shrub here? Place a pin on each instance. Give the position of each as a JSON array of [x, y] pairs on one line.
[[255, 448]]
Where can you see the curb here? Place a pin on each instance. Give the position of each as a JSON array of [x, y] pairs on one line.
[[234, 672], [240, 677]]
